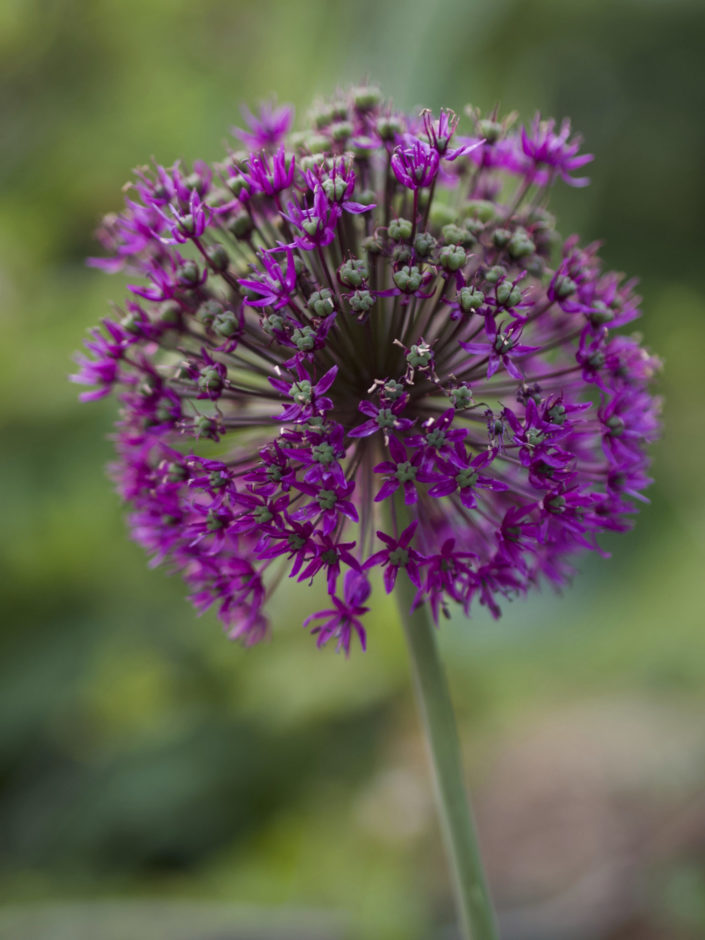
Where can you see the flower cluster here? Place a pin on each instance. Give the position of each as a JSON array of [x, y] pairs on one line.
[[363, 346]]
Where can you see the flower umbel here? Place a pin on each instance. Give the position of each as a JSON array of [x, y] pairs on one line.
[[346, 349]]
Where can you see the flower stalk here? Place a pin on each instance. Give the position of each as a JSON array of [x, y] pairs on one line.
[[457, 825]]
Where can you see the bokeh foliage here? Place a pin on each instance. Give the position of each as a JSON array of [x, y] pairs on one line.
[[140, 753]]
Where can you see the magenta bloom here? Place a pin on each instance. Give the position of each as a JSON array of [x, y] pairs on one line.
[[320, 379], [546, 147]]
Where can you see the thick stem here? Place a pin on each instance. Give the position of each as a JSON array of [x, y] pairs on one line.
[[434, 702]]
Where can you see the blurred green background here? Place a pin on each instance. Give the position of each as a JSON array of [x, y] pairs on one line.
[[156, 780]]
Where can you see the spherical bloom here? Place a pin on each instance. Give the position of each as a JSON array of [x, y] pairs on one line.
[[357, 348]]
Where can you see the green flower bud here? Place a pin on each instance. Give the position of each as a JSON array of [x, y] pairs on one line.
[[361, 301], [616, 426], [186, 224], [205, 427], [241, 225], [352, 273], [366, 98], [401, 254], [436, 438], [385, 418], [600, 314], [424, 243], [367, 197], [452, 257], [408, 279], [400, 230], [323, 116], [495, 274], [490, 130], [170, 313], [388, 128], [520, 245], [176, 472], [217, 480], [301, 392], [311, 161], [326, 499], [461, 397], [315, 143], [208, 311], [262, 514], [372, 244], [474, 227], [334, 188], [132, 323], [194, 181], [534, 266], [455, 235], [508, 294], [304, 338], [339, 110], [320, 303], [341, 130], [393, 389], [470, 299], [405, 472], [209, 379], [555, 504], [188, 274], [323, 453], [310, 226], [500, 237], [466, 477], [399, 557], [557, 414], [218, 258], [481, 209], [419, 356], [214, 521], [273, 323], [225, 324], [564, 286]]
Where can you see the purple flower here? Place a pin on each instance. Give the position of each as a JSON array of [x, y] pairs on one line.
[[449, 573], [415, 164], [385, 418], [458, 473], [337, 183], [547, 148], [398, 554], [321, 376], [500, 348], [400, 472], [276, 287], [269, 175], [266, 129], [344, 618], [316, 225]]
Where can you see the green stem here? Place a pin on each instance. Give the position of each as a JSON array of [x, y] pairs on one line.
[[434, 702]]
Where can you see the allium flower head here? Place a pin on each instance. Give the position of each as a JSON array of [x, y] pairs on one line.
[[362, 347]]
